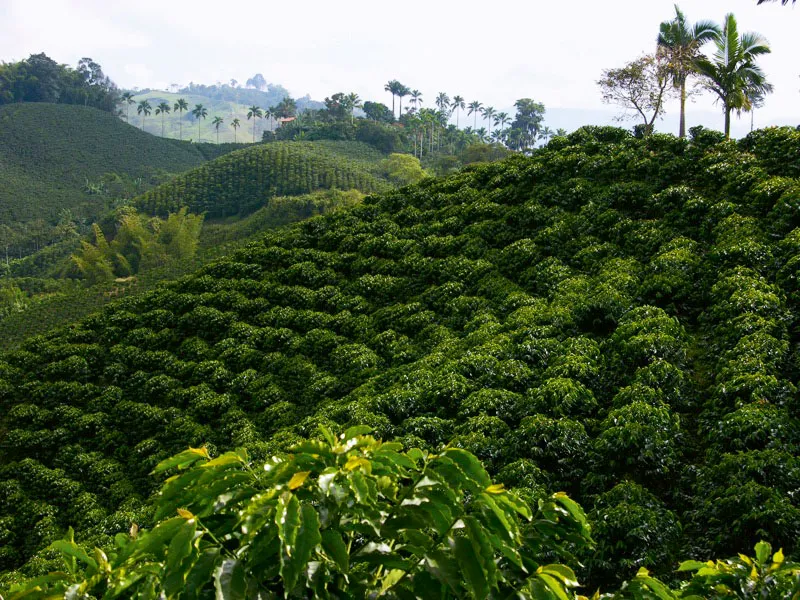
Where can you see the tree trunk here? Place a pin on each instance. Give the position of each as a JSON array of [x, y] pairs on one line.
[[682, 127], [180, 123], [727, 121]]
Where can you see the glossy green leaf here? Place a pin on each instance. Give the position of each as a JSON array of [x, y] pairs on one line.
[[229, 580], [335, 548]]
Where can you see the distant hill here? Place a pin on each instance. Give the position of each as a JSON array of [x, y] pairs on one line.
[[49, 153], [183, 125], [241, 182]]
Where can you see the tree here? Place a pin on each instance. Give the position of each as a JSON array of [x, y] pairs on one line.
[[162, 109], [235, 124], [254, 112], [527, 124], [403, 169], [732, 73], [402, 91], [341, 517], [458, 104], [127, 98], [391, 86], [681, 42], [545, 134], [641, 86], [257, 81], [378, 112], [416, 98], [285, 109], [502, 119], [216, 122], [200, 112], [180, 106], [354, 102], [475, 107], [488, 113], [143, 109]]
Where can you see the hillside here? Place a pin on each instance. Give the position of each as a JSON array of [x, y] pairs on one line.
[[612, 317], [241, 182], [50, 152]]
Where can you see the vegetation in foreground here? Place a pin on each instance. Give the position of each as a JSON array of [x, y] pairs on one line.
[[625, 334]]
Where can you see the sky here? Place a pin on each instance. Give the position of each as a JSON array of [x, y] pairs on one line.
[[494, 52]]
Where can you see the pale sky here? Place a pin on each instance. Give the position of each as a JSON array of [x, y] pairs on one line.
[[552, 51]]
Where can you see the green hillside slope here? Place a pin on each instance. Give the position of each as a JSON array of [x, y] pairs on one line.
[[49, 152], [241, 182], [615, 318]]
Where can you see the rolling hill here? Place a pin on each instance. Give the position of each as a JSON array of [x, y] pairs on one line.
[[50, 153], [241, 182], [612, 317]]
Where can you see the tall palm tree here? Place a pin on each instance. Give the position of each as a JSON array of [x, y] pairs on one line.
[[200, 112], [416, 98], [353, 102], [545, 134], [502, 119], [732, 73], [216, 122], [235, 124], [143, 108], [488, 113], [127, 98], [180, 106], [458, 104], [681, 43], [162, 109], [256, 113], [475, 107], [392, 86], [402, 91]]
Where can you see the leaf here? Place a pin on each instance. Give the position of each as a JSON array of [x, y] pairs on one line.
[[778, 557], [471, 466], [356, 431], [335, 548], [74, 550], [182, 512], [554, 585], [297, 479], [181, 545], [391, 578], [495, 488], [470, 567], [356, 462], [691, 565], [201, 572], [763, 550], [288, 520], [562, 573], [182, 460], [229, 458], [229, 580]]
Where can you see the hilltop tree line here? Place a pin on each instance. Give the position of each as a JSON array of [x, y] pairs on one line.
[[731, 73], [40, 79]]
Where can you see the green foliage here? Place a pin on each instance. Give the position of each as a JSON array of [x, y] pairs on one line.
[[48, 153], [610, 317], [402, 169], [241, 182], [346, 516]]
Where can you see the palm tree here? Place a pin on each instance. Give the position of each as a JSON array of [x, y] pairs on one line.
[[127, 98], [180, 106], [475, 107], [481, 133], [488, 114], [392, 86], [732, 73], [235, 124], [416, 98], [502, 119], [401, 91], [353, 102], [199, 111], [216, 122], [458, 104], [256, 113], [143, 108], [545, 134], [162, 109], [681, 43], [561, 132]]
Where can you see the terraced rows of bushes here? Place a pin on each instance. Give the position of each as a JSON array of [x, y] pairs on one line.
[[613, 317], [241, 182]]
